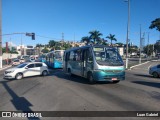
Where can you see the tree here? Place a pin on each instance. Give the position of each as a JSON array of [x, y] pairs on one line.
[[45, 50], [95, 35], [103, 42], [155, 24], [52, 43], [120, 44], [85, 39], [148, 50], [39, 45], [67, 46], [111, 37]]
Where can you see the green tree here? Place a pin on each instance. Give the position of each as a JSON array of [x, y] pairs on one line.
[[67, 46], [95, 35], [52, 43], [45, 50], [157, 46], [39, 45], [103, 42], [155, 24], [148, 50], [120, 44], [112, 38], [86, 39]]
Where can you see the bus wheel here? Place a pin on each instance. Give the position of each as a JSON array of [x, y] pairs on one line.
[[91, 79], [115, 82], [69, 72]]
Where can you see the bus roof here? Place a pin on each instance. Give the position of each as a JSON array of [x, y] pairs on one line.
[[87, 46]]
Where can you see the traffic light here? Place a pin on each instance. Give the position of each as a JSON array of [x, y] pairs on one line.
[[33, 36]]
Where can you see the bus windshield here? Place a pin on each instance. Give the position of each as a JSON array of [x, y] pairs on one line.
[[107, 56], [58, 55]]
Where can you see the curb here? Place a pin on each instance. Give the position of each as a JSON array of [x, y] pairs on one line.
[[5, 67], [138, 65]]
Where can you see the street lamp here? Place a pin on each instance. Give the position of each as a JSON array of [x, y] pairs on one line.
[[0, 33], [128, 25]]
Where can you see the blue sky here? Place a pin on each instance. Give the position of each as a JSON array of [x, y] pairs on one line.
[[75, 18]]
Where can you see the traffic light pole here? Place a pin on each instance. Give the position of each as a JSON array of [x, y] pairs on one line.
[[27, 34]]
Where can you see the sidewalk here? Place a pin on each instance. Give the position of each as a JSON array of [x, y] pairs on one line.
[[5, 67]]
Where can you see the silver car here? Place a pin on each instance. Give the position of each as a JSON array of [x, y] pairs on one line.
[[155, 71]]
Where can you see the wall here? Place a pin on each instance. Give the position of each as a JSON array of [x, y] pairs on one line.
[[9, 56]]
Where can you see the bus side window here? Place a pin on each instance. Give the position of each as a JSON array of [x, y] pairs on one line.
[[67, 56], [71, 56], [89, 56]]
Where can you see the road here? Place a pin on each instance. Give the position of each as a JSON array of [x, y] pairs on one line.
[[59, 92]]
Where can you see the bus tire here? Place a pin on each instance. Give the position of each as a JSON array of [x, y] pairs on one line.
[[91, 79], [114, 82], [69, 72]]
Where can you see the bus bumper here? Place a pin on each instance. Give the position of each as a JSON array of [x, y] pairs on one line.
[[104, 76]]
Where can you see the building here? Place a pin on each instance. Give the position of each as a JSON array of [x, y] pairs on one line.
[[26, 50]]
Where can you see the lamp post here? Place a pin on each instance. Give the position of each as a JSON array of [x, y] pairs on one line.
[[128, 26], [0, 33], [140, 46]]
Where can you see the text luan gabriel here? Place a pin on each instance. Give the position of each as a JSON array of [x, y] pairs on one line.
[[147, 114]]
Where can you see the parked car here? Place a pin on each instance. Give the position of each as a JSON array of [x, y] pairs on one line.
[[155, 71], [26, 70], [32, 60], [22, 60], [16, 62]]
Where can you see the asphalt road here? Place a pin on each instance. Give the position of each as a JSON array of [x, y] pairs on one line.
[[59, 92]]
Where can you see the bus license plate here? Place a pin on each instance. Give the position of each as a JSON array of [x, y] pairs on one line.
[[114, 78]]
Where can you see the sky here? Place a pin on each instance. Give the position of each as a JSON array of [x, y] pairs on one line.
[[48, 19]]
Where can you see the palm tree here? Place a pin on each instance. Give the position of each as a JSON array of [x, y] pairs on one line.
[[155, 24], [85, 39], [120, 44], [111, 37], [95, 35]]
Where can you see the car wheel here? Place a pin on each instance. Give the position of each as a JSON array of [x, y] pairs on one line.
[[45, 73], [91, 79], [19, 76], [155, 75]]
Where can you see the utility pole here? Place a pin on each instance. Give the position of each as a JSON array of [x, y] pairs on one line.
[[21, 45], [148, 46], [0, 33], [140, 46], [128, 26], [62, 39]]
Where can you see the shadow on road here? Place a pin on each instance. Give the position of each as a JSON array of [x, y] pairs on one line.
[[152, 84], [144, 75], [20, 103], [75, 78]]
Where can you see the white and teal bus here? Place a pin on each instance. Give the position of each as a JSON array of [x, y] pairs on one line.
[[54, 59], [97, 63]]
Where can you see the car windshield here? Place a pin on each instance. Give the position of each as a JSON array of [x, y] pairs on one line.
[[107, 56], [21, 65]]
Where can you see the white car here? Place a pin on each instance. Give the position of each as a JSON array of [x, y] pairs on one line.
[[26, 70]]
